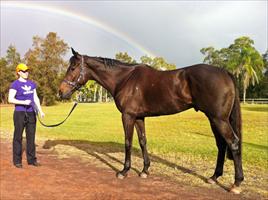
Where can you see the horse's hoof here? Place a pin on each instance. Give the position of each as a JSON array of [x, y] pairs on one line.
[[211, 181], [235, 189], [143, 175], [120, 176]]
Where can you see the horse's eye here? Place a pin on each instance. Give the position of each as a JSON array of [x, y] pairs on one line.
[[72, 68]]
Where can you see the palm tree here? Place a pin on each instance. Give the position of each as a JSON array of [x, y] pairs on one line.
[[245, 62], [240, 58]]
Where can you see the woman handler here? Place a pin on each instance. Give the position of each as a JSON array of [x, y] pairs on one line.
[[23, 94]]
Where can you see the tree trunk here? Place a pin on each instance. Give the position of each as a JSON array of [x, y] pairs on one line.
[[95, 93], [244, 94], [100, 94], [106, 96]]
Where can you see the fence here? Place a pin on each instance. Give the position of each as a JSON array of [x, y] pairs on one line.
[[248, 101], [256, 101]]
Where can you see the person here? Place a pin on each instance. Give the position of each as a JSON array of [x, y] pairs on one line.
[[23, 94]]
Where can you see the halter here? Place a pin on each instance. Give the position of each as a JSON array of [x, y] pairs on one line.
[[75, 84]]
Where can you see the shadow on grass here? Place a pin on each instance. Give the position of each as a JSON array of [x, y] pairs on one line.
[[245, 144], [256, 108], [104, 148]]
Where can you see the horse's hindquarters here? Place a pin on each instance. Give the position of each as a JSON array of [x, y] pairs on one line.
[[212, 89]]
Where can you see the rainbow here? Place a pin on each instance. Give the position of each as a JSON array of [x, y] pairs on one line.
[[79, 17]]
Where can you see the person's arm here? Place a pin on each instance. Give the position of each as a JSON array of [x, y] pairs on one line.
[[12, 99], [37, 103]]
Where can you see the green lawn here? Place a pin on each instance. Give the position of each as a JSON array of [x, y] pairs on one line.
[[175, 142]]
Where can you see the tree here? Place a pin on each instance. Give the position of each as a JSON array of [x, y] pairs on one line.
[[5, 80], [47, 64], [261, 89], [157, 63], [241, 59], [246, 62], [124, 57], [265, 60], [8, 74], [146, 60], [13, 57], [216, 57]]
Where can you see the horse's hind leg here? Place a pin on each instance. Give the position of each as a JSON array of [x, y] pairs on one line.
[[226, 131], [140, 127], [221, 144], [128, 123]]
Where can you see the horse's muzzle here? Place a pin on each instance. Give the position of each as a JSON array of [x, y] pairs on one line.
[[64, 96]]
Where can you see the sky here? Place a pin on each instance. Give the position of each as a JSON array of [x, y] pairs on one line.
[[174, 30]]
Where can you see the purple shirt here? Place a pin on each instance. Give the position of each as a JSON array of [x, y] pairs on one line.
[[25, 91]]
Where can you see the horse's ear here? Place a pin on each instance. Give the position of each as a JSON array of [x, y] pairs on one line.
[[74, 52]]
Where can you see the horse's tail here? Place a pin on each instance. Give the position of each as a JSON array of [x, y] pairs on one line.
[[236, 121]]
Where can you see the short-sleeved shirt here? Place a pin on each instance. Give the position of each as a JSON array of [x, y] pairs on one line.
[[25, 91]]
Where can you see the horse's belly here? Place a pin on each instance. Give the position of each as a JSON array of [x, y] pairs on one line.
[[155, 108]]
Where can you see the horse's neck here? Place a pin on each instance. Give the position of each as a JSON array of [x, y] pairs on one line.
[[110, 78]]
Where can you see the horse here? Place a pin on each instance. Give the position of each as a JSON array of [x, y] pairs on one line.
[[140, 91]]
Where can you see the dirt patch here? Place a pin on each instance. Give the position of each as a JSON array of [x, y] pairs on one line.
[[72, 178]]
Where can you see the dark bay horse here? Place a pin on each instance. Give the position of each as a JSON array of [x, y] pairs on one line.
[[140, 91]]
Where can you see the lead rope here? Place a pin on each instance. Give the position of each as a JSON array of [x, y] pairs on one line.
[[54, 125]]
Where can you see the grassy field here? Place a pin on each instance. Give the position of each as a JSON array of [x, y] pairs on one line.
[[182, 146]]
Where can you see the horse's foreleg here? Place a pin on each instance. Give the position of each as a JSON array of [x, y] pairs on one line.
[[221, 144], [140, 127], [128, 124]]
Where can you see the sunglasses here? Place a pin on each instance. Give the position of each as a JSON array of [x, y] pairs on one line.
[[24, 71]]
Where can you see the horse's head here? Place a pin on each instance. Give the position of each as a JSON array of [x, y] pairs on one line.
[[75, 76]]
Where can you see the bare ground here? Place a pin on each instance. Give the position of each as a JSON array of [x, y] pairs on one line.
[[70, 178]]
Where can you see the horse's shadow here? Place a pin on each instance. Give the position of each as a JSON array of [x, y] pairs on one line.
[[96, 149]]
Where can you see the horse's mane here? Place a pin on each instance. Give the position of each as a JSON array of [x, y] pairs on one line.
[[113, 62]]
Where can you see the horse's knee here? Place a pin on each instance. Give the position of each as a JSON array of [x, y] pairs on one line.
[[128, 144]]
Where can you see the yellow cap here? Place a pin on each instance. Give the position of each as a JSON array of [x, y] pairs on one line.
[[21, 67]]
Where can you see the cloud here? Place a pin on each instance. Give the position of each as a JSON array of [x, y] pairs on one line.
[[175, 30]]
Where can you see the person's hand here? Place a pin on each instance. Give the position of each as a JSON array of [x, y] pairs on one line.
[[27, 102], [42, 115]]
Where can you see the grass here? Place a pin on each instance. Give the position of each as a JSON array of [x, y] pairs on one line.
[[182, 146]]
